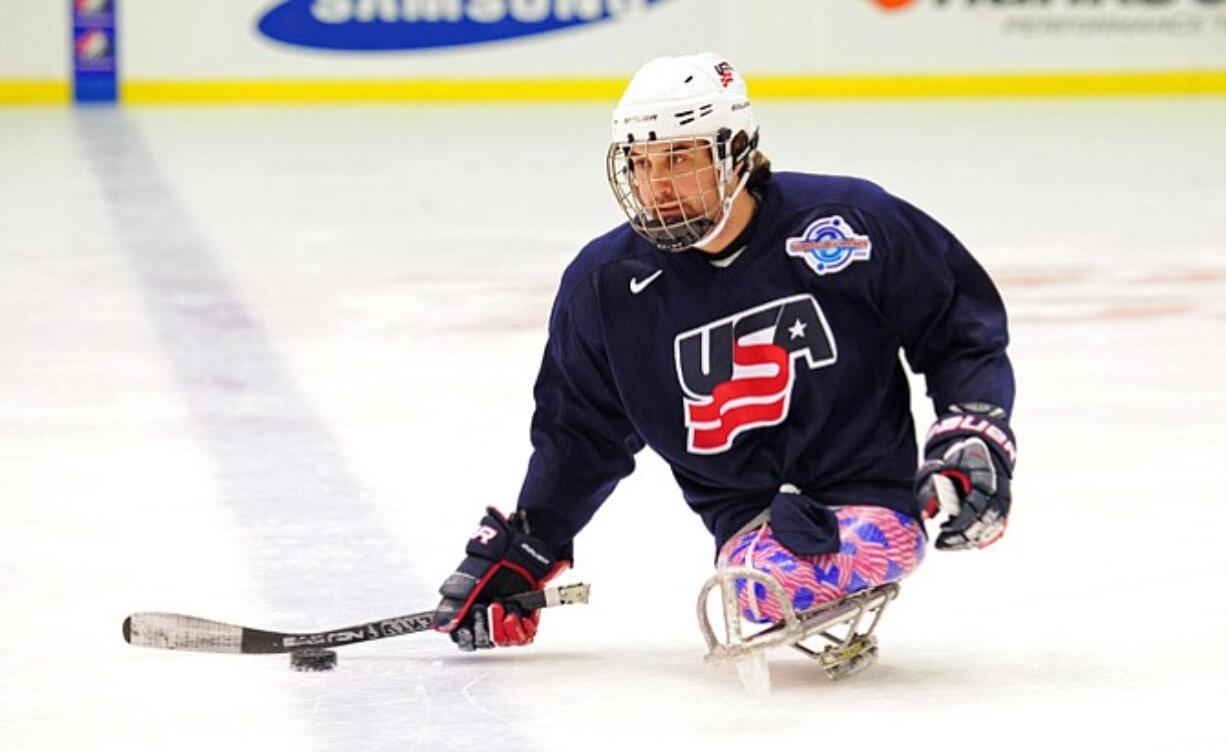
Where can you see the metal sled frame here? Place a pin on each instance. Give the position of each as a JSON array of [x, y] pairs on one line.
[[842, 657]]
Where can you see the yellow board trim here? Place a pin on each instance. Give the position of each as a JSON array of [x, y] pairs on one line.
[[608, 89], [1104, 84], [413, 90], [996, 85], [34, 92]]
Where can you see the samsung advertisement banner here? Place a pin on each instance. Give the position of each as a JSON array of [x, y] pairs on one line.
[[426, 24]]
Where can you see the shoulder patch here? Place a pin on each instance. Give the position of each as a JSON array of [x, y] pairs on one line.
[[830, 245]]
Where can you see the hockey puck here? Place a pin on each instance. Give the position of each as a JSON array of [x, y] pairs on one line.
[[313, 659]]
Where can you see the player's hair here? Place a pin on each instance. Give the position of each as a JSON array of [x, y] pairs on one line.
[[759, 170], [757, 163]]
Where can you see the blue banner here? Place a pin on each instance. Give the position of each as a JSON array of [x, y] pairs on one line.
[[425, 24], [94, 51]]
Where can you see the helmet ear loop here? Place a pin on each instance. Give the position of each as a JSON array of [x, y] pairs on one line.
[[739, 160]]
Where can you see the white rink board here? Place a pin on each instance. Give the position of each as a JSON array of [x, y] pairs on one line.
[[219, 40], [34, 40]]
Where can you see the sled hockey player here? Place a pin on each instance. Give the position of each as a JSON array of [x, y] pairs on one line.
[[746, 325]]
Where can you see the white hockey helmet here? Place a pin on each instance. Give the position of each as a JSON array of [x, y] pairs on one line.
[[682, 102]]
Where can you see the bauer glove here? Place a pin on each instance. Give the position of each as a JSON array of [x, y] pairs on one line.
[[973, 447], [503, 560]]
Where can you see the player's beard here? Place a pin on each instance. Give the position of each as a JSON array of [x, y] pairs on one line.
[[692, 229], [685, 221], [689, 214]]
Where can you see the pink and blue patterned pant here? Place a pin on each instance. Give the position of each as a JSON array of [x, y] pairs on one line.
[[878, 545]]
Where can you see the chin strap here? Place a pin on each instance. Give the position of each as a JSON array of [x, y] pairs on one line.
[[726, 210]]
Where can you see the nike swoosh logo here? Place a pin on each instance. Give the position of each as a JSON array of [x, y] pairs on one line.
[[636, 286]]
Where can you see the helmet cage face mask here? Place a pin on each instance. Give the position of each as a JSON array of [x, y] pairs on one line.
[[676, 192]]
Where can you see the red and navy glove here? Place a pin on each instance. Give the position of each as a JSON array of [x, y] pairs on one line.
[[503, 560], [973, 447]]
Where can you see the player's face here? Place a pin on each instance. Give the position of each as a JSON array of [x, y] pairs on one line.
[[675, 180]]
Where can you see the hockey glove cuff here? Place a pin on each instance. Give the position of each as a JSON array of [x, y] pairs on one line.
[[973, 447], [503, 559]]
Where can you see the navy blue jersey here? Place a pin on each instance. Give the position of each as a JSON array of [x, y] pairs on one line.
[[782, 367]]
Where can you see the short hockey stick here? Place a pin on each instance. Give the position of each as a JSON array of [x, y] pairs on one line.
[[180, 632]]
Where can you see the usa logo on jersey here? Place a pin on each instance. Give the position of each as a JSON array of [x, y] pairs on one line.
[[829, 245], [737, 373]]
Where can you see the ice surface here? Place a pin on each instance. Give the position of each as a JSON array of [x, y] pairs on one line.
[[267, 365]]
